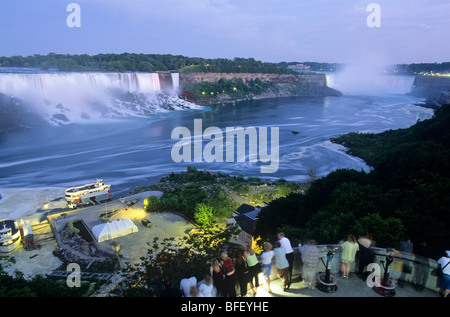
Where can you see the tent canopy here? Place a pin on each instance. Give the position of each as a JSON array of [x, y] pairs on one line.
[[114, 229]]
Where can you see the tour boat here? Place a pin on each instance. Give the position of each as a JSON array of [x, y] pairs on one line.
[[88, 194], [9, 235]]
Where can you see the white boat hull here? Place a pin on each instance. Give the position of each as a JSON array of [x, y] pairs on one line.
[[10, 247]]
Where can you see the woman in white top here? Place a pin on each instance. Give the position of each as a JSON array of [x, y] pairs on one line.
[[206, 288], [266, 263]]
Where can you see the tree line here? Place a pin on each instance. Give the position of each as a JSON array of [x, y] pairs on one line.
[[417, 68], [133, 62]]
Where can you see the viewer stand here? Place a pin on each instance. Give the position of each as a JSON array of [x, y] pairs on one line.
[[385, 286], [326, 281]]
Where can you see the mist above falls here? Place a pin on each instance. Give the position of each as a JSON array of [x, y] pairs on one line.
[[368, 79]]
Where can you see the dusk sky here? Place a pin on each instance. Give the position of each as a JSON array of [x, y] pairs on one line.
[[411, 31]]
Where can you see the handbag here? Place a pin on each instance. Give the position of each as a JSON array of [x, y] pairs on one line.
[[439, 271]]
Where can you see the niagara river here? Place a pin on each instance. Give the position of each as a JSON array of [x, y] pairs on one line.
[[134, 150]]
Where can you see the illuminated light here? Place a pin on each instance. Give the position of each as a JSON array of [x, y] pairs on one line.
[[46, 206], [146, 202]]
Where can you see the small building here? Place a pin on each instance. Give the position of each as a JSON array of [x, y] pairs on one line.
[[245, 217], [114, 229], [299, 67]]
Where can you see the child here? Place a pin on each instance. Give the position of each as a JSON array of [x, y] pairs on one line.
[[266, 263]]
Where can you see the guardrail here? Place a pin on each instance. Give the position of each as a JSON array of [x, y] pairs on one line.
[[413, 266]]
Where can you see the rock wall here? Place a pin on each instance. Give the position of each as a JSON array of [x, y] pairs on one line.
[[435, 89], [285, 85], [432, 82], [318, 79]]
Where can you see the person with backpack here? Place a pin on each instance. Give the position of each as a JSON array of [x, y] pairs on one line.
[[444, 281]]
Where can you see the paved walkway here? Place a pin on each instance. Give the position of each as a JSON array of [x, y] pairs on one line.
[[351, 287]]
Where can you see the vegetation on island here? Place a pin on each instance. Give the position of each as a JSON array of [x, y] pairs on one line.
[[225, 90]]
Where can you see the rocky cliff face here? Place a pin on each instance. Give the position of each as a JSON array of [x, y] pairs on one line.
[[16, 117], [283, 85], [318, 79], [436, 90], [432, 82]]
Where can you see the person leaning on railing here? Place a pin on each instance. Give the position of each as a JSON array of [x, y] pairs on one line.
[[444, 281]]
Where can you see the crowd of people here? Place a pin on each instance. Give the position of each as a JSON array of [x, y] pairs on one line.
[[240, 271]]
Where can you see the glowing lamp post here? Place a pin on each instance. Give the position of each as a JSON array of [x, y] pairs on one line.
[[146, 202]]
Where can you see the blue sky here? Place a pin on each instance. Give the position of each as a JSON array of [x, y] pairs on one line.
[[268, 30]]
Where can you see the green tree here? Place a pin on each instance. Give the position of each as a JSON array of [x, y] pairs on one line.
[[152, 204], [385, 232], [203, 214], [170, 258]]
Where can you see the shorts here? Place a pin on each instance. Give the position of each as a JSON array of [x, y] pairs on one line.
[[266, 269], [445, 281]]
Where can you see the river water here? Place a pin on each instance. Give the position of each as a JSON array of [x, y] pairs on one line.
[[133, 151]]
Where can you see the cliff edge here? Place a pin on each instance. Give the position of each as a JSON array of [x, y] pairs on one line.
[[436, 90], [213, 88]]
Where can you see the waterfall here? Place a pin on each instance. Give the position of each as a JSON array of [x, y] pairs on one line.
[[47, 83], [369, 83], [175, 81], [68, 97]]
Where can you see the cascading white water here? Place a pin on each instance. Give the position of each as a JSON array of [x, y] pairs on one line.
[[71, 97], [47, 83], [364, 80], [175, 81]]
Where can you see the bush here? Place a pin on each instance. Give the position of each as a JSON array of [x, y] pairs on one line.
[[203, 214]]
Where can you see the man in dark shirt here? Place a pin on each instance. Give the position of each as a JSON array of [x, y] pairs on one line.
[[422, 265], [170, 291]]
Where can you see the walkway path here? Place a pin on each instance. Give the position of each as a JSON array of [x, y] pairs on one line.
[[351, 287]]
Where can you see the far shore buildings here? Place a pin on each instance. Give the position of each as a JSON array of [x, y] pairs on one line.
[[299, 67], [245, 217]]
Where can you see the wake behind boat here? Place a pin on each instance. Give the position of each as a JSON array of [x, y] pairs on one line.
[[88, 194]]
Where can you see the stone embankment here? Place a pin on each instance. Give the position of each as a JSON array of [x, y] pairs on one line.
[[436, 90]]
